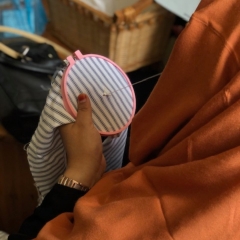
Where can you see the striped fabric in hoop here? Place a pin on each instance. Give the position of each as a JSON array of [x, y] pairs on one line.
[[99, 77], [112, 113]]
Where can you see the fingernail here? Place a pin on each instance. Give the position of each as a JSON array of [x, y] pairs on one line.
[[82, 98]]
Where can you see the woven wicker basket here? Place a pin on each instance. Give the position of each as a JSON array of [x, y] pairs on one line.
[[135, 37]]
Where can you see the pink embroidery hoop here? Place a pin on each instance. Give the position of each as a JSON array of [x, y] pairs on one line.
[[77, 61]]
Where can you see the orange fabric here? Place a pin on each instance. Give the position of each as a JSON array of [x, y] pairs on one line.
[[184, 180]]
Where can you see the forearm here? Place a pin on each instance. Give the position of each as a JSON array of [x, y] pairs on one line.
[[60, 199]]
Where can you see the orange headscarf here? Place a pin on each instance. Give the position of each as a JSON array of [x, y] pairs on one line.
[[184, 179]]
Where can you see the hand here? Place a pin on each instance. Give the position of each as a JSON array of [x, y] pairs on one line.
[[83, 145]]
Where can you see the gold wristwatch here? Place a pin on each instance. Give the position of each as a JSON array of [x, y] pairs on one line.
[[65, 181]]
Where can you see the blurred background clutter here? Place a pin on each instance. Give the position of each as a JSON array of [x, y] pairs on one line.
[[27, 15], [136, 34]]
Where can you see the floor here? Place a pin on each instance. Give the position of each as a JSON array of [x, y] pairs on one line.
[[18, 196]]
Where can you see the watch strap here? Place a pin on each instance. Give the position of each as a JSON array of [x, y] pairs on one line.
[[68, 182]]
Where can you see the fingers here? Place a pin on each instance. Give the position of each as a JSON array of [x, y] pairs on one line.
[[84, 114]]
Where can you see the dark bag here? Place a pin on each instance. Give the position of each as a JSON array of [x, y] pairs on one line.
[[24, 86]]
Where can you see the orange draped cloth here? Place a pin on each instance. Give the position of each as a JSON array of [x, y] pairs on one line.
[[183, 182]]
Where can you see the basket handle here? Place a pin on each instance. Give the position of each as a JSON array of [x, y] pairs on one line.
[[36, 38], [129, 14]]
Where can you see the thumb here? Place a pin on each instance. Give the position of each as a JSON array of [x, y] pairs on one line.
[[84, 114]]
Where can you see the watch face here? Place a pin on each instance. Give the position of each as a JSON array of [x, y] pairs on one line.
[[109, 89]]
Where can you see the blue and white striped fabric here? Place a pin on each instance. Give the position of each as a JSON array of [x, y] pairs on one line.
[[94, 75], [46, 154]]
